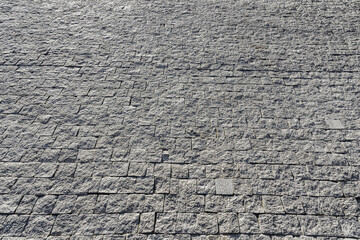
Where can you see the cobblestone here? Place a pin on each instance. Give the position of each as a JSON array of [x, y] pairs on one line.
[[179, 120]]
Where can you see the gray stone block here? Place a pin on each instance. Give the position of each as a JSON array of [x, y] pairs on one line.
[[9, 203], [147, 222], [334, 124], [224, 186]]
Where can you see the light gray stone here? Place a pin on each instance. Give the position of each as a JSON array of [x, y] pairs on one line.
[[334, 124], [224, 186]]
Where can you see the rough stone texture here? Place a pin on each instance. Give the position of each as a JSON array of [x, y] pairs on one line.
[[196, 119]]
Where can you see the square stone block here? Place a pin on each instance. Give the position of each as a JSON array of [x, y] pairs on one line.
[[224, 186]]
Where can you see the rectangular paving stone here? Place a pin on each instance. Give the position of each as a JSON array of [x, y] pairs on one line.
[[334, 124]]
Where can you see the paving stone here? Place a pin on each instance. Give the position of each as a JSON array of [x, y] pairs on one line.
[[334, 124], [350, 227], [273, 204], [64, 225], [205, 186], [228, 223], [224, 186], [312, 225], [186, 223], [175, 203], [147, 222], [248, 223], [187, 186], [253, 204], [279, 224], [165, 223], [137, 169], [45, 204], [39, 226], [207, 223], [26, 204], [292, 205], [85, 225], [9, 203], [13, 225], [64, 204], [162, 185], [179, 171]]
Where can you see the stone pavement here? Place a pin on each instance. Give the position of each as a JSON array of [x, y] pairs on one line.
[[179, 119]]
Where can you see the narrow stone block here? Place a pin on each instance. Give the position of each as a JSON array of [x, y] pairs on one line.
[[334, 124]]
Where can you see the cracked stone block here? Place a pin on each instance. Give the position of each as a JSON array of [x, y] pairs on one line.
[[137, 169], [26, 205], [224, 186], [45, 204]]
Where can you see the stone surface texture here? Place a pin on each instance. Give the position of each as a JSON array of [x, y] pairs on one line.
[[181, 119]]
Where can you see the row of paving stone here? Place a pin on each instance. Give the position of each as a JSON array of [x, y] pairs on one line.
[[181, 223], [241, 171], [148, 185], [159, 203], [189, 158], [179, 236], [179, 171], [156, 146]]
